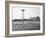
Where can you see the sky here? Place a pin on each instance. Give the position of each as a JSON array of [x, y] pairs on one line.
[[28, 12]]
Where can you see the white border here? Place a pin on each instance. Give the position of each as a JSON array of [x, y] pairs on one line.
[[31, 31]]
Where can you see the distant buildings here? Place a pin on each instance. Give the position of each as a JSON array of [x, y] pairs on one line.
[[35, 18], [30, 19]]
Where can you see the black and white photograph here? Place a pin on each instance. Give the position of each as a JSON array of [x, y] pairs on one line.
[[25, 18]]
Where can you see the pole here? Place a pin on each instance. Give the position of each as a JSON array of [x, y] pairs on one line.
[[23, 16]]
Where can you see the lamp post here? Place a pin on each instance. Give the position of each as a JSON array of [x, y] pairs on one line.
[[23, 15]]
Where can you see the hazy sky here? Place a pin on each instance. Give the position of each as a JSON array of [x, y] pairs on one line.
[[29, 12]]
